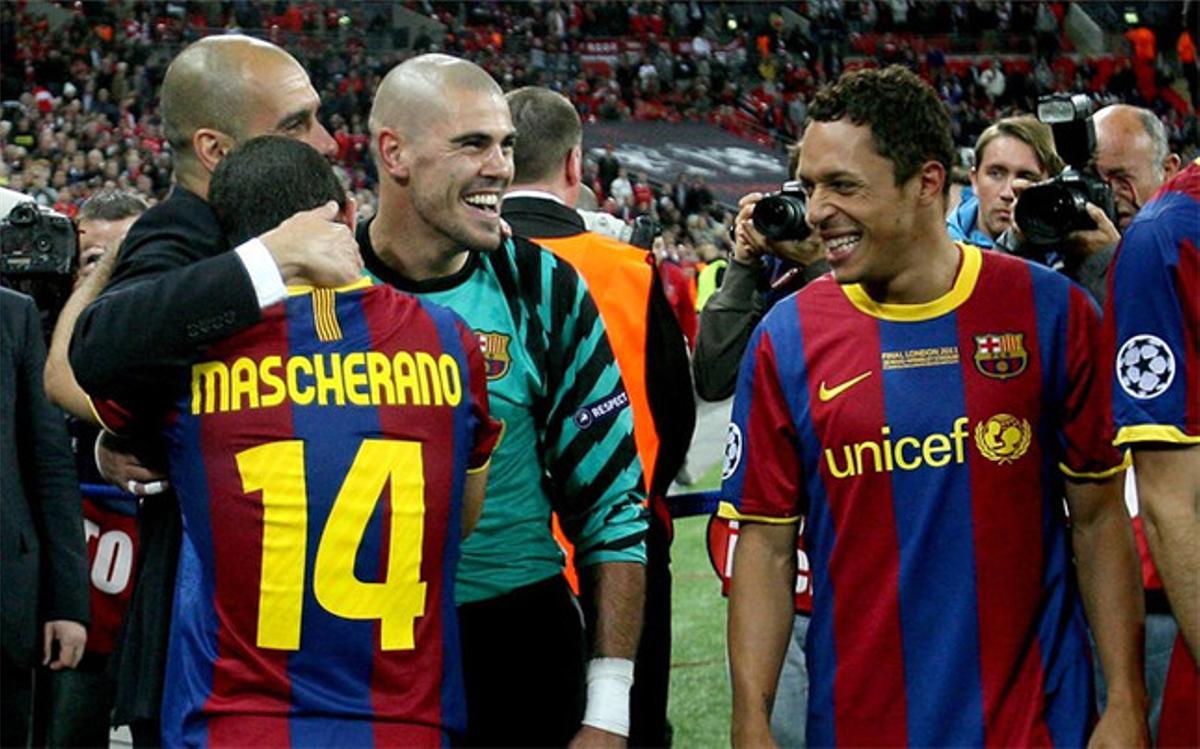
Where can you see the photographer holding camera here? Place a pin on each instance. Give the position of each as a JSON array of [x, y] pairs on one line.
[[1066, 221], [1008, 151], [1115, 160], [1133, 157], [1126, 160], [774, 254]]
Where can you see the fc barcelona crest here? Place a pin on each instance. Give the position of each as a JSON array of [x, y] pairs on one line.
[[495, 353], [1001, 355]]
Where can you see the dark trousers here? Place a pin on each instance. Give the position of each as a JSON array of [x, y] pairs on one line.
[[73, 705], [523, 661], [147, 734], [16, 703]]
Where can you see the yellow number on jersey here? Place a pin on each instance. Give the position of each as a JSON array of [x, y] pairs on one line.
[[394, 466]]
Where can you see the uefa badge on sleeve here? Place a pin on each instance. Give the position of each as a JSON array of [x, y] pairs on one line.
[[1145, 366], [733, 451]]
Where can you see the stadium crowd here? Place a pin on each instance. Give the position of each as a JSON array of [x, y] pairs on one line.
[[80, 110], [144, 122]]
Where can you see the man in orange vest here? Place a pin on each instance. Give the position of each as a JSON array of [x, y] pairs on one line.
[[646, 339]]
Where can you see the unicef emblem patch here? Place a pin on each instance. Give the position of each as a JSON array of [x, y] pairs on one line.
[[1003, 439], [733, 451], [1145, 366]]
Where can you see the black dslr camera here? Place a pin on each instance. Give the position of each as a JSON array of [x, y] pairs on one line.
[[780, 215], [36, 241], [1048, 211]]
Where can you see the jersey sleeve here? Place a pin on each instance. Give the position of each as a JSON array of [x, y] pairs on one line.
[[588, 441], [112, 415], [762, 474], [1085, 448], [487, 429], [1152, 329]]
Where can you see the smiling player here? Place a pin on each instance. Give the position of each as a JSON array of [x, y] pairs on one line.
[[926, 407]]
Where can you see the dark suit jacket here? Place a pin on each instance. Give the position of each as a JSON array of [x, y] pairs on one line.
[[43, 558], [175, 290]]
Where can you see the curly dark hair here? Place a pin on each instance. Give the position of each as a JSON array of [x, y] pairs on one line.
[[909, 124]]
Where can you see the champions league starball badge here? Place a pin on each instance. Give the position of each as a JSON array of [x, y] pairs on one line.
[[733, 451], [1145, 366]]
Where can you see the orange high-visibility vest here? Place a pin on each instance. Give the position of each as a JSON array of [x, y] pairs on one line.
[[620, 278]]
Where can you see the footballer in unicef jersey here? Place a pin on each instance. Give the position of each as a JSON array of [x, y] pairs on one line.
[[902, 434], [320, 459]]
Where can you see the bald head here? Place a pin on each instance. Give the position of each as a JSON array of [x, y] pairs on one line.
[[214, 83], [413, 93], [1133, 156], [1125, 124]]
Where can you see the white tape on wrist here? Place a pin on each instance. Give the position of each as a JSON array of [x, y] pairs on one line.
[[608, 683]]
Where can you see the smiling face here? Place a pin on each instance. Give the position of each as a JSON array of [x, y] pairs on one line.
[[459, 162], [863, 217], [1004, 159]]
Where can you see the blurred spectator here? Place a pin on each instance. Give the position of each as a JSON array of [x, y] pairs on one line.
[[608, 168], [621, 188], [678, 286], [698, 197], [103, 221]]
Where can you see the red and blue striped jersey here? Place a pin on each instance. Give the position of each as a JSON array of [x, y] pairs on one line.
[[1152, 335], [110, 527], [319, 458], [926, 446], [1152, 325]]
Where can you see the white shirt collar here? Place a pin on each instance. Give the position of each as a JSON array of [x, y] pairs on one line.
[[540, 194]]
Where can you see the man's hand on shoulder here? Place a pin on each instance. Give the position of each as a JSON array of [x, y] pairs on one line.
[[313, 248]]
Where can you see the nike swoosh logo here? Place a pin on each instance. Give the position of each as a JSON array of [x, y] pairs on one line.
[[828, 394]]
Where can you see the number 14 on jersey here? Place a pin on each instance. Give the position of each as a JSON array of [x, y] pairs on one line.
[[277, 470]]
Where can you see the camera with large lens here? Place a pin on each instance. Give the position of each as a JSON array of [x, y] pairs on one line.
[[36, 241], [1050, 210], [780, 215]]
